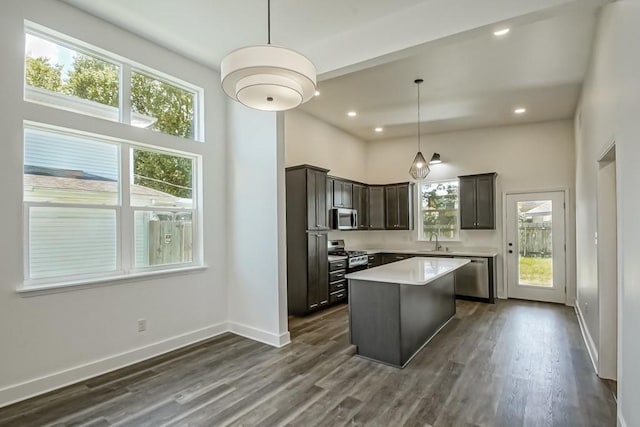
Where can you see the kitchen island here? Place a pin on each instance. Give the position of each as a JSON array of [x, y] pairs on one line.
[[395, 309]]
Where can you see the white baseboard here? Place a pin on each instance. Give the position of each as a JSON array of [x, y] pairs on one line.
[[22, 391], [17, 392], [259, 334], [591, 345]]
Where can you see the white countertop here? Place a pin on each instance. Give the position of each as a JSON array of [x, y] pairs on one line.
[[426, 252], [412, 271]]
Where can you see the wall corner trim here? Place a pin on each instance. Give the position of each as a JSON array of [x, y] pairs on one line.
[[590, 344], [260, 335], [621, 422]]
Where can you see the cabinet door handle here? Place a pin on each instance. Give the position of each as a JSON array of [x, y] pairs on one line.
[[313, 306], [341, 285], [323, 302]]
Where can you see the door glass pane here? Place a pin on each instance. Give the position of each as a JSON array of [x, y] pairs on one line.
[[535, 256]]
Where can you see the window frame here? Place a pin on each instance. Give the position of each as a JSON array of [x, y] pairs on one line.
[[125, 221], [126, 67], [421, 232]]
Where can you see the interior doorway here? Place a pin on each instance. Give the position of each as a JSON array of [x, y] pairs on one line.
[[607, 244], [535, 246]]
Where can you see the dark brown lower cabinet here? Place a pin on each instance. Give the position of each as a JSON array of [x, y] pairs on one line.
[[317, 267], [389, 258], [337, 282]]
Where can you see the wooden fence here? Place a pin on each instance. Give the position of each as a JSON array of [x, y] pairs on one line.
[[535, 240], [170, 242]]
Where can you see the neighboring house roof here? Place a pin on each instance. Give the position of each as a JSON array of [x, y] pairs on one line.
[[542, 209], [73, 180], [63, 173]]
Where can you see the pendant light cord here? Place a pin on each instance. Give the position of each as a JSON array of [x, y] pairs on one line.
[[268, 21], [418, 115]]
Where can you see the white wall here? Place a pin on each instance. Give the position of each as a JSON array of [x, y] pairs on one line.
[[312, 141], [528, 157], [256, 239], [50, 340], [609, 111]]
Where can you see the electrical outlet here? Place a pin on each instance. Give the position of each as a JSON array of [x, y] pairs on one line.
[[142, 325]]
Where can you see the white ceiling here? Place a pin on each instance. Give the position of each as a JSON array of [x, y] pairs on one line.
[[368, 52], [471, 80]]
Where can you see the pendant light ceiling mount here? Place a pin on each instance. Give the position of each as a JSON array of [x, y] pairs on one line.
[[268, 77], [419, 168]]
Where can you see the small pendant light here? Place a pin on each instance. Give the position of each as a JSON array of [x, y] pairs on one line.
[[420, 168]]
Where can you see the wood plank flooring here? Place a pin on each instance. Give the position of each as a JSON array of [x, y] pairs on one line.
[[510, 364]]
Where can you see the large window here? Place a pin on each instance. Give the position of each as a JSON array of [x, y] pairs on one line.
[[79, 220], [439, 211], [100, 206], [62, 75]]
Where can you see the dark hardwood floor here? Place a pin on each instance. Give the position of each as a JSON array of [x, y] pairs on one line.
[[510, 364]]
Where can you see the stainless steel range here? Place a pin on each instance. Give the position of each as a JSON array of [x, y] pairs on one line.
[[357, 260]]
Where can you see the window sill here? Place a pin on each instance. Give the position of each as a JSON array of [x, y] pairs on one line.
[[75, 285]]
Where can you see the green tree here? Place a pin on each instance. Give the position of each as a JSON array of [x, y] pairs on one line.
[[93, 79], [170, 105], [41, 73], [163, 172], [97, 80]]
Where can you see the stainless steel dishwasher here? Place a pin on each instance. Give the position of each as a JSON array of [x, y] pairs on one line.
[[472, 280]]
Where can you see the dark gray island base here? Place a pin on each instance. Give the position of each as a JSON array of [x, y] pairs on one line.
[[393, 313]]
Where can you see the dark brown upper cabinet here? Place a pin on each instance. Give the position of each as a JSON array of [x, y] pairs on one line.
[[399, 206], [477, 202], [316, 200], [361, 204], [306, 197], [342, 194], [376, 208]]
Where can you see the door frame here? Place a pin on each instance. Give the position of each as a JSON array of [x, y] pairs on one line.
[[569, 231]]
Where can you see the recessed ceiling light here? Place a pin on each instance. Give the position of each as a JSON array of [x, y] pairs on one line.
[[502, 32], [520, 110], [352, 114], [317, 93], [378, 129]]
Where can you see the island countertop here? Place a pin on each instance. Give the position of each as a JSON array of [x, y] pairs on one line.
[[412, 271]]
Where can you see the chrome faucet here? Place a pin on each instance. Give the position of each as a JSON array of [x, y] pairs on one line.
[[438, 246]]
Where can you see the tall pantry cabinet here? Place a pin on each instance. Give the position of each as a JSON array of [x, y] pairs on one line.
[[307, 235]]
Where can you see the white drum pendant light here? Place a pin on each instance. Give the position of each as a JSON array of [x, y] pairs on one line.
[[419, 168], [268, 77]]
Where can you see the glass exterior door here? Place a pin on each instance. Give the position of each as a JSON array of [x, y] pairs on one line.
[[535, 246]]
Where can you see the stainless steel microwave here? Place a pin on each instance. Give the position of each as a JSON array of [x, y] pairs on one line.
[[344, 219]]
